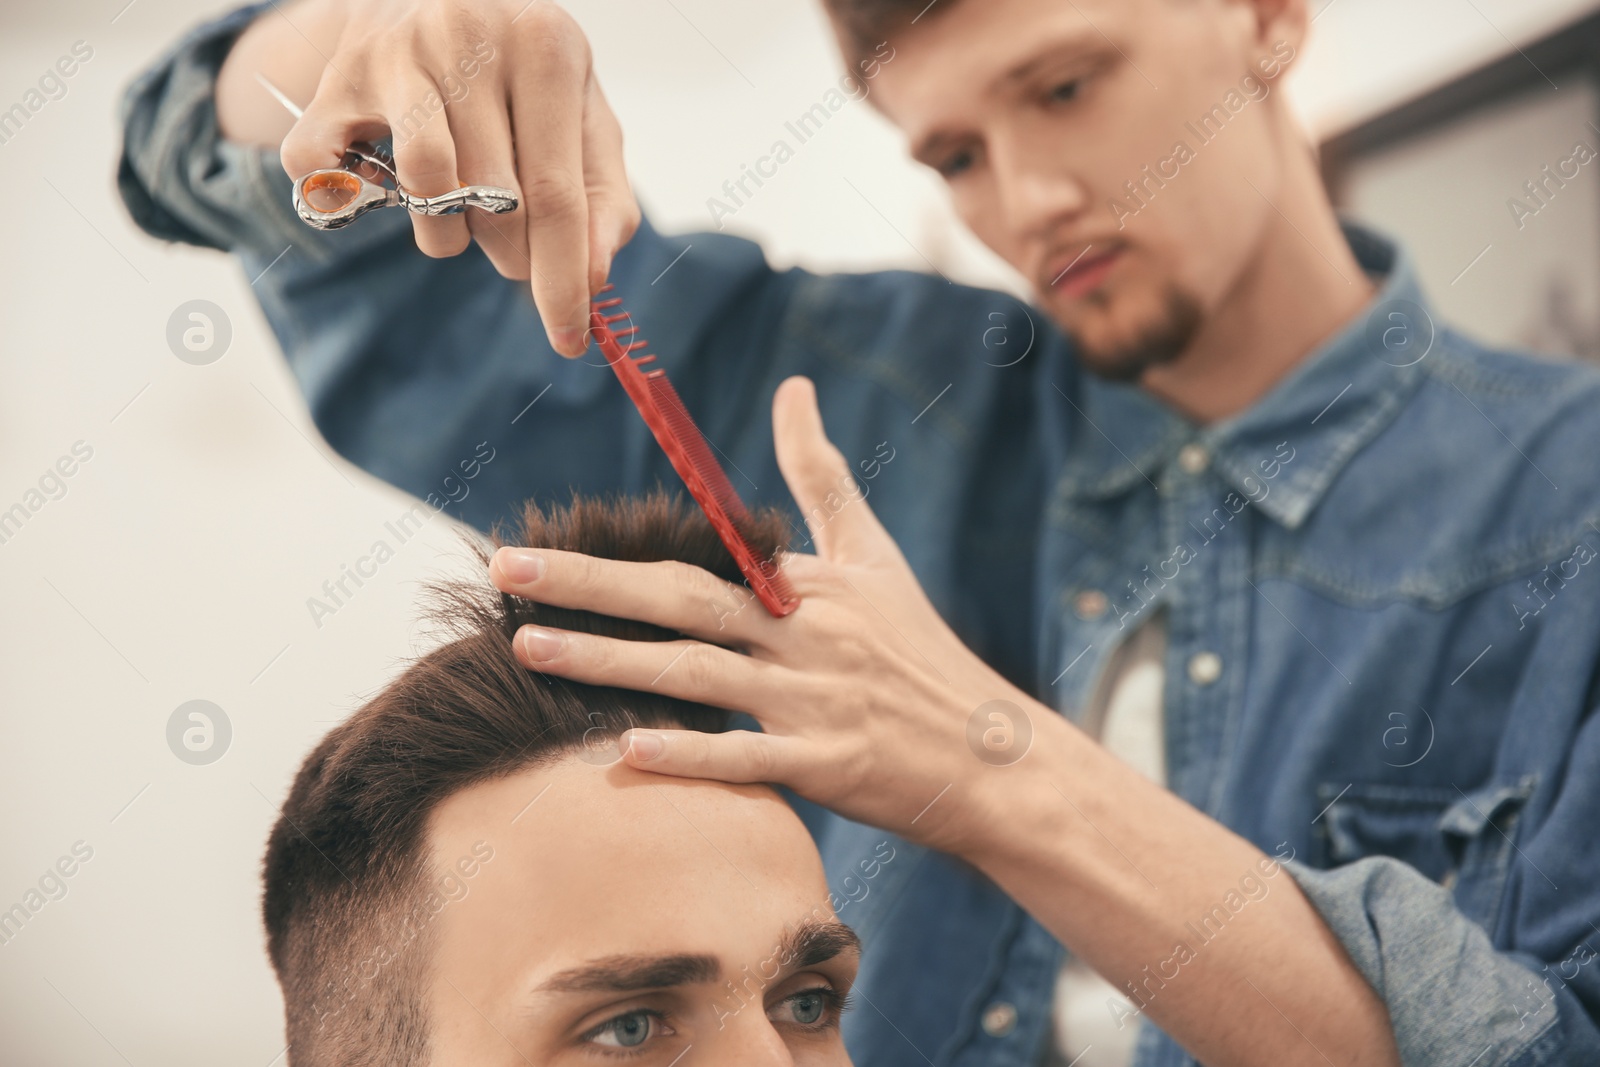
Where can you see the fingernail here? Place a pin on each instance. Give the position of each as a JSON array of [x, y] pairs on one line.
[[539, 645], [643, 747], [521, 566], [568, 341]]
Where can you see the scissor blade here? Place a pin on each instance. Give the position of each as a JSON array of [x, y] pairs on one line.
[[278, 94]]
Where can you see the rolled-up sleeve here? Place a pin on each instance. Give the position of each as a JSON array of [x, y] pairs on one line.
[[1523, 988], [181, 180], [406, 360]]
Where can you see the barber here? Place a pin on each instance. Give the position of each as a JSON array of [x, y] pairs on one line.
[[1258, 693]]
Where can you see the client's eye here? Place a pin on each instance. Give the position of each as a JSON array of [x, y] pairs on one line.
[[628, 1031], [1066, 91], [807, 1007], [816, 1008]]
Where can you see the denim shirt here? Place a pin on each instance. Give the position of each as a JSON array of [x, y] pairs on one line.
[[1380, 584]]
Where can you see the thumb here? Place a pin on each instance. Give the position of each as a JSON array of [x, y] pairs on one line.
[[736, 756], [831, 500]]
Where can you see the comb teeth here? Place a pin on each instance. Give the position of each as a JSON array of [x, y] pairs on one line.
[[695, 445], [691, 455]]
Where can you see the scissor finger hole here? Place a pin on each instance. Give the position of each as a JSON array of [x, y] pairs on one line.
[[329, 191]]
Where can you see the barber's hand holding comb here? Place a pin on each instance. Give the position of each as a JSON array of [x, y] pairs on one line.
[[873, 707], [864, 692]]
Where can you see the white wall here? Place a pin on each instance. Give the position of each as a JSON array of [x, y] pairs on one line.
[[1366, 54], [177, 565]]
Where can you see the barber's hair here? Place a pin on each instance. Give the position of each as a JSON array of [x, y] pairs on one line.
[[349, 893], [864, 24]]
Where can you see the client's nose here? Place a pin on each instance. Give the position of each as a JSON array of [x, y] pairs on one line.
[[751, 1040]]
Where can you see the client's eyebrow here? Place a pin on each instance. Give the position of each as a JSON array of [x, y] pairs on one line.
[[629, 974], [817, 941], [806, 945]]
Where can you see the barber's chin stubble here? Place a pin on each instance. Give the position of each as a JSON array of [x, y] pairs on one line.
[[1159, 341]]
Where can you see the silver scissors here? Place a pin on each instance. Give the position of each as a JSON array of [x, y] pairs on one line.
[[365, 179]]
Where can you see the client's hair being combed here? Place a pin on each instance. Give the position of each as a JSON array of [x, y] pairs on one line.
[[346, 868]]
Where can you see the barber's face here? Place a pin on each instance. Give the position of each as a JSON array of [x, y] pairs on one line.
[[625, 917], [1037, 113]]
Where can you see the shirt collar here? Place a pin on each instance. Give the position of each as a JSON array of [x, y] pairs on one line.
[[1331, 404]]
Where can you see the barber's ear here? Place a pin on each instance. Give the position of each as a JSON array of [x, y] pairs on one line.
[[1281, 27]]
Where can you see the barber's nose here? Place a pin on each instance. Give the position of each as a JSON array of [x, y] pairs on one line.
[[1037, 195]]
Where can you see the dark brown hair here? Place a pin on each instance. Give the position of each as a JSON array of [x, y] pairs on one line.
[[348, 891], [864, 24]]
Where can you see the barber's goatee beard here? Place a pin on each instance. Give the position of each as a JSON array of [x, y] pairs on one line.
[[1158, 342]]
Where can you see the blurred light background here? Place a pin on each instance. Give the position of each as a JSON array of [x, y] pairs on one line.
[[177, 564]]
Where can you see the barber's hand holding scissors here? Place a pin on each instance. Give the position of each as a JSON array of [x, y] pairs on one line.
[[473, 92]]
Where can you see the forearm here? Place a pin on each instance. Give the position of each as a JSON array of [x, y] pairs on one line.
[[288, 46], [1203, 931]]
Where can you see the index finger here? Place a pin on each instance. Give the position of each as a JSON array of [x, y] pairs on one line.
[[547, 101], [670, 594]]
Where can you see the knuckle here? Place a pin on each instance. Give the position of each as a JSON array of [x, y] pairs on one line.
[[855, 764], [698, 747], [805, 568], [757, 756], [616, 214], [539, 13], [582, 574], [552, 32], [466, 24], [697, 665], [849, 652], [829, 581], [631, 217], [692, 580], [558, 194], [428, 170]]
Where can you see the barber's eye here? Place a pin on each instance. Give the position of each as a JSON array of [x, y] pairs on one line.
[[1066, 91], [955, 163], [627, 1031]]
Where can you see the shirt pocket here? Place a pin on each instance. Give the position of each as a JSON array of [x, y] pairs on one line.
[[1463, 839]]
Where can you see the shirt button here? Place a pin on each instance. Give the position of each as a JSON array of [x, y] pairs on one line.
[[1205, 668], [1194, 458], [999, 1019], [1090, 604]]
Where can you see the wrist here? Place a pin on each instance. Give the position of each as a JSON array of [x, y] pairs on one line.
[[1015, 806]]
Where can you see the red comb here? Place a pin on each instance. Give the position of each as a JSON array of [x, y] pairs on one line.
[[689, 452]]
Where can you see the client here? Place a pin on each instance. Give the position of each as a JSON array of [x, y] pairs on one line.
[[462, 876]]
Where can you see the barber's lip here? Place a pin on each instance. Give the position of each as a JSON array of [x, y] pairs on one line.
[[1085, 273]]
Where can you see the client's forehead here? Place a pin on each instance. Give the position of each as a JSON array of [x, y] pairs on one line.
[[573, 863]]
